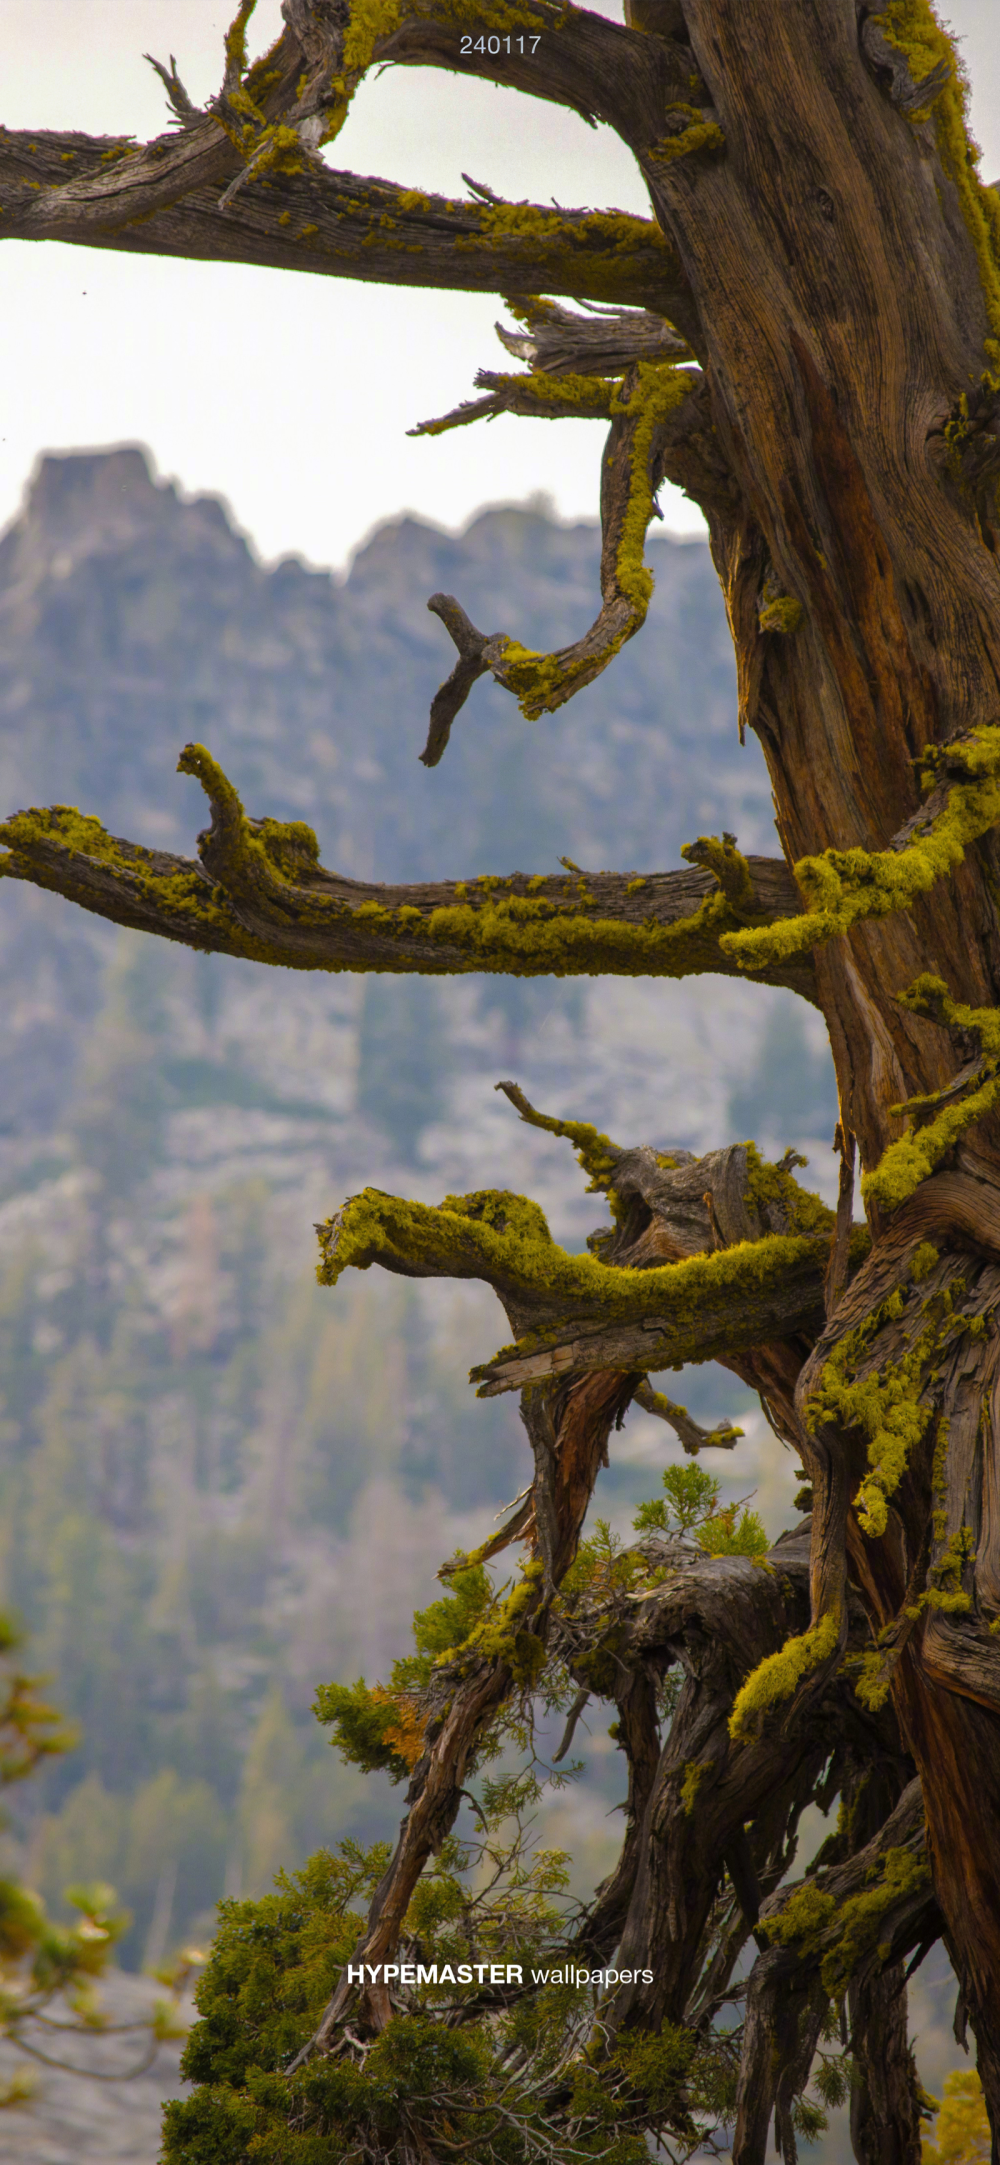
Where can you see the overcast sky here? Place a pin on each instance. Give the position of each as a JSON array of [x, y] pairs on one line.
[[320, 377]]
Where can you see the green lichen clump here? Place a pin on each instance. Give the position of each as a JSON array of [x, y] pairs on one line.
[[779, 1675], [844, 886], [804, 1916], [905, 1163], [698, 135], [694, 1771], [802, 1210], [780, 612], [852, 1930], [884, 1405], [722, 858]]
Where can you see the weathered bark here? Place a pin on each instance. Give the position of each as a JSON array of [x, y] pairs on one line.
[[885, 2107], [790, 1989]]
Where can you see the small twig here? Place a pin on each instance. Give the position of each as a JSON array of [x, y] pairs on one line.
[[477, 1808], [184, 112], [574, 1715], [470, 666], [477, 188]]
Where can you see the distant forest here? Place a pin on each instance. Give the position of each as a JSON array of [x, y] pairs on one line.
[[206, 1462]]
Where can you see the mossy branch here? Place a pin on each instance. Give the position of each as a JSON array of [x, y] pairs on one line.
[[639, 407], [258, 143], [690, 1433], [574, 1312], [260, 892], [844, 886], [334, 224]]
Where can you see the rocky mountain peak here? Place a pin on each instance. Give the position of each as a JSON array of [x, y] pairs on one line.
[[82, 504]]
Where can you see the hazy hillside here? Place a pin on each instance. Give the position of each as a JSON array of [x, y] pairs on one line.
[[220, 1484]]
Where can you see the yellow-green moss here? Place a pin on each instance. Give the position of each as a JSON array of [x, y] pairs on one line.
[[843, 886], [505, 1240], [780, 613], [874, 1677], [803, 1210], [661, 388], [904, 1164], [699, 135], [805, 1915], [884, 1405], [721, 857], [694, 1772], [779, 1675], [528, 935], [946, 1592], [502, 1634], [809, 1915]]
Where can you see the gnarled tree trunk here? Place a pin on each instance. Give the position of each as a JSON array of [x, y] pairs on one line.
[[807, 338]]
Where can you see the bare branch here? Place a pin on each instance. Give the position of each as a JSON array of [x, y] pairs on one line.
[[183, 111], [603, 343], [472, 663], [573, 1717]]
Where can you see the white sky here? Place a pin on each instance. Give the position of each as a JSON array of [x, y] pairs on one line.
[[288, 395]]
